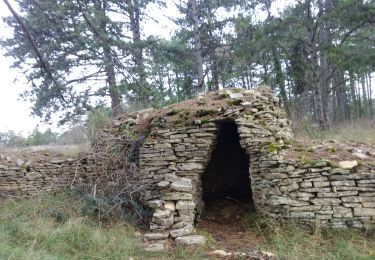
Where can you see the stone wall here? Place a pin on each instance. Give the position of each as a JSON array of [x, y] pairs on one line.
[[174, 159], [25, 178]]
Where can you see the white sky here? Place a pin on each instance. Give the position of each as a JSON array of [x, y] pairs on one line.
[[14, 113]]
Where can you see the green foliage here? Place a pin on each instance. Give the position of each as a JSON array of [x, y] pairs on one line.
[[96, 121], [41, 138]]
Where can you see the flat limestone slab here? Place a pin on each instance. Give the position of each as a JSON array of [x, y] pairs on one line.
[[155, 247], [191, 240]]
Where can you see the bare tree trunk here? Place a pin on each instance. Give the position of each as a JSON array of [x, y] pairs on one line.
[[364, 95], [369, 87], [197, 44], [353, 95], [137, 50], [112, 83]]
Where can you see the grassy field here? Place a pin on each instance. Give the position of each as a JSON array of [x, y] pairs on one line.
[[362, 131], [291, 241], [54, 227]]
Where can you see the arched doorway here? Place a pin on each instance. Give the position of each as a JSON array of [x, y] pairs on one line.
[[226, 184]]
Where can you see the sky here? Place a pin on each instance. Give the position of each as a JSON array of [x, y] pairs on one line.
[[14, 113]]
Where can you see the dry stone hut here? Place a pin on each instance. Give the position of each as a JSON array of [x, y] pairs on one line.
[[233, 143], [237, 143]]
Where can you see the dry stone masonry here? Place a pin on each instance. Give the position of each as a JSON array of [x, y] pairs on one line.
[[176, 148], [19, 177]]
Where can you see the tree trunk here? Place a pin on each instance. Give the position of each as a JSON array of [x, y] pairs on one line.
[[280, 81], [112, 83], [364, 95], [197, 44], [137, 51]]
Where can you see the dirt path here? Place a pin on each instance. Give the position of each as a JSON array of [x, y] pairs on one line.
[[226, 222]]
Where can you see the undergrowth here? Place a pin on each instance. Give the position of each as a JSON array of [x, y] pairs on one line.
[[289, 240], [58, 227]]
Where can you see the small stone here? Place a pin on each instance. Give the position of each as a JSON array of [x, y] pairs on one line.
[[164, 184], [155, 204], [177, 196], [20, 162], [155, 247], [170, 177], [191, 240], [185, 205], [360, 155], [348, 164], [182, 184], [156, 236], [162, 213], [236, 95], [220, 253], [187, 230], [170, 205]]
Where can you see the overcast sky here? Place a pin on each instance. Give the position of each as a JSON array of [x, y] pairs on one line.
[[15, 114]]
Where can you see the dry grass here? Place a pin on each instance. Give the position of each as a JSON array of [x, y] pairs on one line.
[[361, 131], [289, 240], [54, 227]]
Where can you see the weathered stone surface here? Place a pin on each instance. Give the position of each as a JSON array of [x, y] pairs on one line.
[[156, 236], [177, 196], [364, 212], [155, 204], [187, 230], [164, 184], [191, 240], [170, 205], [182, 184], [326, 201], [155, 247], [158, 213], [185, 205], [348, 164]]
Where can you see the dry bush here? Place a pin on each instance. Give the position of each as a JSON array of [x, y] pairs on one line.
[[120, 187]]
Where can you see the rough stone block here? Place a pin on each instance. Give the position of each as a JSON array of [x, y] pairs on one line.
[[326, 201], [162, 213], [343, 183], [170, 205], [187, 230], [364, 212], [191, 240], [182, 184], [156, 236], [164, 184], [185, 205], [155, 204], [155, 247], [177, 196]]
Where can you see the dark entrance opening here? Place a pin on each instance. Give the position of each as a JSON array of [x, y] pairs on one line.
[[226, 189]]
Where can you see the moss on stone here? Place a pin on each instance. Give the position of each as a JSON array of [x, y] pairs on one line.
[[273, 147], [236, 90], [234, 102]]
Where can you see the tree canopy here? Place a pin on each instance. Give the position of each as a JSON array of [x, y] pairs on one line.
[[81, 55]]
